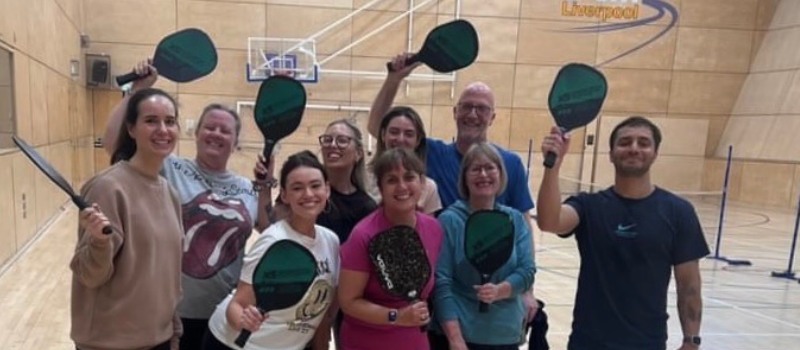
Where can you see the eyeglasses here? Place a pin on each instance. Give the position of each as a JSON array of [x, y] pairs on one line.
[[477, 169], [466, 108], [340, 141]]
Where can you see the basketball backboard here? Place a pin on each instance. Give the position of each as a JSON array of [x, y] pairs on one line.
[[296, 58]]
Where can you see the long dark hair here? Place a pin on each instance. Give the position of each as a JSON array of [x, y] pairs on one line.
[[126, 145], [303, 158], [300, 159], [410, 113]]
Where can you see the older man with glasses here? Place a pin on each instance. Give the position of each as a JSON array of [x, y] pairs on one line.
[[473, 114]]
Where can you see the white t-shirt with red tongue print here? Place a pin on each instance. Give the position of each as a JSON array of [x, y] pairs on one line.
[[219, 210]]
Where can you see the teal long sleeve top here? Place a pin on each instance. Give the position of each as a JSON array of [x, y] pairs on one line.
[[455, 297]]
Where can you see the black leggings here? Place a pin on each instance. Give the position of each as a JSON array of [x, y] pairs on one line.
[[336, 327], [193, 332], [210, 342], [439, 342]]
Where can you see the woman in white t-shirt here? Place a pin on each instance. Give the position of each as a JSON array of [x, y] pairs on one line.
[[305, 191], [402, 127]]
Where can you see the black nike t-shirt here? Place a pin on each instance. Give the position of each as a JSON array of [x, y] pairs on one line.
[[628, 248]]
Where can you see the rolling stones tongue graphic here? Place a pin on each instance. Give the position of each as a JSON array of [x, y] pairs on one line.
[[216, 231]]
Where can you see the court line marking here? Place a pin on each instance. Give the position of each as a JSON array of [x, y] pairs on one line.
[[672, 292], [753, 313], [712, 334]]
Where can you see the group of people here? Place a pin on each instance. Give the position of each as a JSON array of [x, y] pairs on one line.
[[174, 273]]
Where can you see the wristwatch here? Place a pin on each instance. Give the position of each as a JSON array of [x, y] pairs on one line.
[[392, 316], [692, 339]]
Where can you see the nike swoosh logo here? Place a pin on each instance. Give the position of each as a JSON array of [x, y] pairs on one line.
[[625, 228]]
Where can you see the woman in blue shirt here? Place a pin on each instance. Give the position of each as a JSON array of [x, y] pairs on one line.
[[458, 290]]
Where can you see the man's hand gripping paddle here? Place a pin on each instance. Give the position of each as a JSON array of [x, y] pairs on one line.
[[448, 47], [575, 99]]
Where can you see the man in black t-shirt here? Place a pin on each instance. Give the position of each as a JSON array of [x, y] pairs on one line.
[[631, 237]]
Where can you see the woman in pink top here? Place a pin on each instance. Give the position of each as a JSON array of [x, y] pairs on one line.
[[373, 318]]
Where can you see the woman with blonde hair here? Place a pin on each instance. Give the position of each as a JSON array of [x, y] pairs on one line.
[[342, 149]]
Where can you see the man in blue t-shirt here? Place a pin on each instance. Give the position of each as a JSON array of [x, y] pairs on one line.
[[631, 237], [473, 113]]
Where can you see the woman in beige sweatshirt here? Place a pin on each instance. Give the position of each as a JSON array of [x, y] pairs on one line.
[[126, 285]]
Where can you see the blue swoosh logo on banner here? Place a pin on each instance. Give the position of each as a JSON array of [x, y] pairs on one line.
[[661, 6]]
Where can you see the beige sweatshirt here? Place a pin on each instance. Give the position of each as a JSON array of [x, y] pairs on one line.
[[125, 290]]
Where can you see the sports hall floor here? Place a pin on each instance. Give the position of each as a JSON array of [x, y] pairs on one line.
[[744, 308]]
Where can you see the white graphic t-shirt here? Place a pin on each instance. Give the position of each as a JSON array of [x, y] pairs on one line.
[[219, 210], [293, 327]]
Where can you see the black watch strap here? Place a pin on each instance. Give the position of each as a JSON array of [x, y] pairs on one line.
[[692, 339]]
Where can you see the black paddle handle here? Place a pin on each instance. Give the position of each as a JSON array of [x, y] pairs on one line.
[[484, 307], [550, 157], [81, 204], [127, 78], [260, 176], [244, 335], [409, 61], [269, 145], [241, 340]]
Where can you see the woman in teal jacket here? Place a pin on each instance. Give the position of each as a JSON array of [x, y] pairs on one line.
[[458, 289]]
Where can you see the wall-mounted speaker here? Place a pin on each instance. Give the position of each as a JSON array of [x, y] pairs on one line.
[[98, 71], [85, 41]]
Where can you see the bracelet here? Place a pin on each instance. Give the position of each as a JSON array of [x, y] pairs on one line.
[[259, 185]]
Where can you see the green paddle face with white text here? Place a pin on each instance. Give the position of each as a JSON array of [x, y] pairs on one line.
[[448, 47], [182, 56], [575, 99]]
